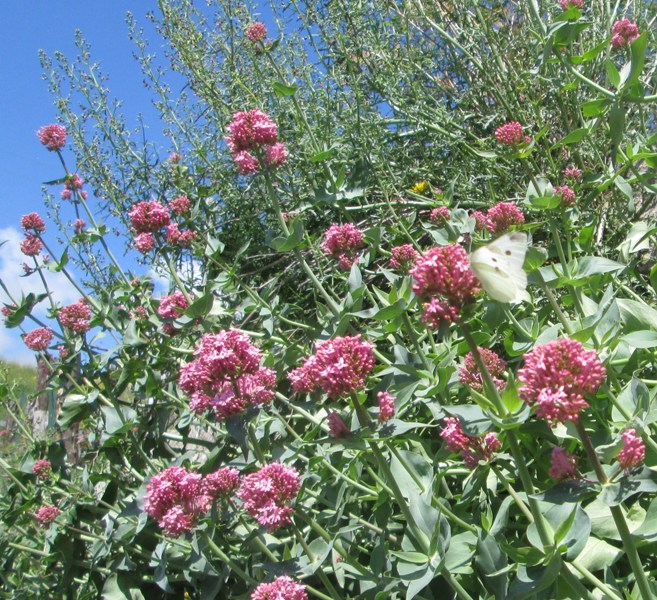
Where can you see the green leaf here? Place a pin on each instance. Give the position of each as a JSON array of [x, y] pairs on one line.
[[640, 339], [323, 155], [590, 54], [614, 493], [569, 32], [62, 262], [637, 315], [596, 265], [532, 580], [121, 586], [616, 125], [612, 73], [638, 50], [598, 555], [634, 399], [201, 306], [282, 90], [389, 313], [285, 244], [594, 108], [75, 408], [491, 562], [648, 529], [572, 138]]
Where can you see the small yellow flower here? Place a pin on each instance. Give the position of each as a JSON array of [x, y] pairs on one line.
[[420, 187]]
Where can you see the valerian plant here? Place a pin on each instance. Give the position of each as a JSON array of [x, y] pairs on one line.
[[328, 402]]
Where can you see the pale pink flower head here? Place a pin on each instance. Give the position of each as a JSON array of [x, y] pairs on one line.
[[47, 514], [503, 216], [568, 196], [481, 220], [439, 313], [42, 468], [52, 137], [472, 448], [563, 465], [256, 32], [246, 163], [222, 483], [172, 306], [174, 158], [8, 311], [39, 339], [31, 245], [510, 134], [557, 376], [76, 317], [566, 4], [73, 181], [149, 216], [180, 205], [403, 257], [66, 194], [633, 452], [144, 242], [176, 498], [33, 222], [623, 33], [444, 271], [276, 155], [265, 494], [439, 214], [343, 242], [282, 588], [572, 172], [337, 427], [339, 367], [79, 226], [251, 129], [386, 407], [470, 375]]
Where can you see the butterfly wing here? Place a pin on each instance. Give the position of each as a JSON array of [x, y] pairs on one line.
[[498, 266]]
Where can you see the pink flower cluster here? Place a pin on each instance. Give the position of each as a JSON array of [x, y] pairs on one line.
[[510, 134], [72, 183], [31, 245], [563, 465], [39, 339], [470, 375], [556, 376], [282, 588], [386, 407], [149, 216], [403, 257], [256, 32], [226, 376], [180, 205], [79, 226], [177, 498], [33, 222], [265, 494], [42, 468], [172, 306], [472, 448], [338, 367], [499, 218], [47, 514], [623, 33], [633, 452], [343, 242], [443, 276], [175, 237], [572, 172], [566, 4], [76, 316], [52, 137], [337, 427], [252, 132], [144, 242], [441, 213], [568, 195]]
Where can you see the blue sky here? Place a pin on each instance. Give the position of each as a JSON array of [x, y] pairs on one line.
[[26, 105]]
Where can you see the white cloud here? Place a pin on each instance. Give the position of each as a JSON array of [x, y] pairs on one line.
[[11, 271]]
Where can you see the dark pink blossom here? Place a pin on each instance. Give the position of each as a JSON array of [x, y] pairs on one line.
[[76, 317], [144, 242], [276, 155], [438, 313], [52, 137], [470, 375], [250, 130], [472, 448], [337, 427], [572, 172], [503, 216], [172, 306], [31, 245], [563, 465], [149, 217], [568, 196], [265, 494], [557, 376], [42, 468], [623, 32], [282, 588], [386, 407], [256, 32], [510, 134], [33, 222], [222, 483], [246, 163], [39, 339], [338, 367], [180, 205], [481, 220], [566, 4], [79, 226], [343, 242], [47, 514], [403, 257], [175, 237], [439, 214], [634, 450]]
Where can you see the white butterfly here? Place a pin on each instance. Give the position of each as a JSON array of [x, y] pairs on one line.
[[498, 266]]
